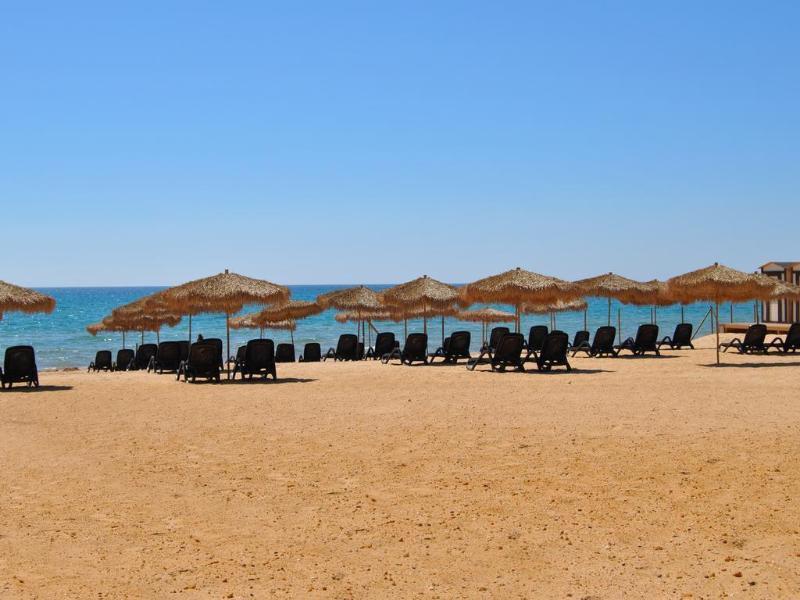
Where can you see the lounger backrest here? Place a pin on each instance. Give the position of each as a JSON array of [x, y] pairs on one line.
[[683, 334], [755, 335], [581, 337], [144, 353], [204, 357], [497, 333], [604, 339], [284, 353], [793, 336], [217, 343], [509, 348], [536, 337], [102, 360], [384, 343], [184, 345], [124, 358], [312, 352], [169, 355], [646, 336], [259, 354], [416, 346], [241, 351], [347, 346], [555, 346], [458, 344], [19, 361]]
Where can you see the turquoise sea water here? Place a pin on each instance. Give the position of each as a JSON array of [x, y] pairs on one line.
[[61, 339]]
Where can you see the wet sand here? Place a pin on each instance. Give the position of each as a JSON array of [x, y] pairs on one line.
[[625, 478]]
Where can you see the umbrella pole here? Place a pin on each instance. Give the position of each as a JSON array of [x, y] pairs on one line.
[[717, 329], [585, 319], [190, 329], [619, 325], [291, 334], [123, 340], [609, 311], [228, 336], [442, 331], [731, 311], [683, 319], [142, 336], [405, 329]]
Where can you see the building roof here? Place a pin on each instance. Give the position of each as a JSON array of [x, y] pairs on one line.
[[780, 265]]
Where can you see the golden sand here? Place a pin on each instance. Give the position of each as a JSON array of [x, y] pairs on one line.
[[627, 477]]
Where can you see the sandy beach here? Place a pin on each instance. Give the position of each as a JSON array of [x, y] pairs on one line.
[[625, 478]]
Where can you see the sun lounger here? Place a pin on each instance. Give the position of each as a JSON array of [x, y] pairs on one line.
[[167, 358], [753, 342], [791, 343], [554, 351], [535, 341], [415, 350], [384, 344], [124, 359], [346, 348], [102, 361], [259, 359], [311, 353], [203, 361], [581, 338], [455, 347], [602, 344], [645, 341], [682, 337], [508, 353], [144, 353], [19, 366], [284, 353]]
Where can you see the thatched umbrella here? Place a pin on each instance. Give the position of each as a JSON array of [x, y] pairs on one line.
[[225, 292], [285, 313], [108, 324], [574, 305], [424, 294], [251, 321], [148, 313], [611, 285], [518, 287], [485, 316], [656, 294], [717, 284], [359, 299], [14, 298]]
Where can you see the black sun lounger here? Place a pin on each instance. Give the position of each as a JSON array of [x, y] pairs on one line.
[[554, 351], [311, 353], [203, 362], [791, 343], [346, 348], [415, 350], [508, 353], [455, 347], [682, 337], [124, 359], [602, 344], [19, 366], [581, 338], [102, 361], [753, 342], [384, 344], [144, 353], [167, 358], [259, 359], [646, 341], [535, 341], [284, 353]]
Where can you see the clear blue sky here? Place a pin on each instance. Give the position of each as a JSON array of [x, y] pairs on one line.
[[338, 142]]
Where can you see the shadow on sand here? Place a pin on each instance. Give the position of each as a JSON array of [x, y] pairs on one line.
[[42, 388], [752, 365]]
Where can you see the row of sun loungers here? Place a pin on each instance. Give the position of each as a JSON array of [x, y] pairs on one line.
[[754, 341]]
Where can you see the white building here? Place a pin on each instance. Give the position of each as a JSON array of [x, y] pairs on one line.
[[781, 311]]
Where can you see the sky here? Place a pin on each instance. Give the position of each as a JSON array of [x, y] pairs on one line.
[[373, 142]]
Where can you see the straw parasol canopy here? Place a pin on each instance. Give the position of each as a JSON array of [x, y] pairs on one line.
[[224, 292], [610, 285], [484, 316], [254, 321], [294, 309], [718, 283], [574, 305], [426, 295], [377, 315], [14, 298], [781, 290], [518, 287], [358, 298]]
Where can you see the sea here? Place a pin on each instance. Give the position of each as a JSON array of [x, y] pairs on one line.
[[60, 339]]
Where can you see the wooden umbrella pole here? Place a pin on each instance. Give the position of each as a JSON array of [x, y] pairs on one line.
[[291, 335], [609, 311], [123, 340], [228, 336], [683, 319], [731, 312], [442, 331], [142, 336], [619, 325], [717, 329], [190, 328], [585, 319], [405, 330]]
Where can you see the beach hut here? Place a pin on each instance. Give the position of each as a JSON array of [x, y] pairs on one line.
[[781, 310], [518, 287], [226, 293], [718, 283]]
